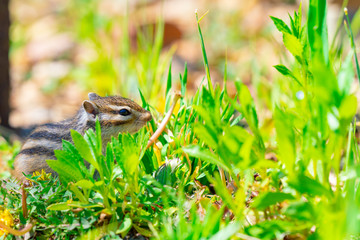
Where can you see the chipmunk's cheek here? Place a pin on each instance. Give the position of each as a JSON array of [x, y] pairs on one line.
[[136, 126]]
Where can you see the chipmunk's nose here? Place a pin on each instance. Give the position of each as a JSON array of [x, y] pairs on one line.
[[147, 116]]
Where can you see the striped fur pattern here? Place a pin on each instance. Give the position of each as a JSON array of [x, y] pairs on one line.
[[116, 114]]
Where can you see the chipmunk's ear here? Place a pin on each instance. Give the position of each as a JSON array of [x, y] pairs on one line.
[[93, 96], [90, 108]]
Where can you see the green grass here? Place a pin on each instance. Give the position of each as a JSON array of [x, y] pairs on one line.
[[209, 177]]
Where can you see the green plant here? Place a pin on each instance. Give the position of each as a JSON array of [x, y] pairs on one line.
[[219, 170], [123, 64], [120, 189], [8, 152]]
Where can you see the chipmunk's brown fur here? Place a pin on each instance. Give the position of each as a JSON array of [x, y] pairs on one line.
[[116, 114]]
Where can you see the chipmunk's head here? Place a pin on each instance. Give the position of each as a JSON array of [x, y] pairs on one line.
[[116, 114]]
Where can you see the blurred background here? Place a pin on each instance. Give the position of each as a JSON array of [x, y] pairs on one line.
[[62, 49]]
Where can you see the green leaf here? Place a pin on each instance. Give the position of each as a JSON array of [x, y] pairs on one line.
[[83, 147], [85, 184], [249, 111], [285, 137], [143, 101], [317, 31], [59, 206], [142, 231], [270, 229], [286, 72], [306, 185], [109, 158], [76, 204], [206, 64], [235, 146], [125, 225], [270, 198], [69, 162], [184, 81], [67, 172], [346, 75], [248, 106], [293, 45], [348, 107], [280, 25], [78, 193], [300, 210], [207, 134], [168, 87], [333, 121], [205, 155], [223, 192], [98, 136], [227, 232]]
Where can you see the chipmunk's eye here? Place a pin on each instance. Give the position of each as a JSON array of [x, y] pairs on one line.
[[124, 112]]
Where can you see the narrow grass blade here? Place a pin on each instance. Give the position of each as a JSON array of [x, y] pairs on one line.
[[206, 63], [352, 41], [183, 81], [317, 30], [168, 87]]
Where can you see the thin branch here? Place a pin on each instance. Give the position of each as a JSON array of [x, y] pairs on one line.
[[26, 229], [166, 119]]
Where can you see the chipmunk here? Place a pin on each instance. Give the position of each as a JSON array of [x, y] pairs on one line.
[[116, 114]]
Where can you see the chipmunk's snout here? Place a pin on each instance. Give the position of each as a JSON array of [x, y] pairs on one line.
[[147, 116]]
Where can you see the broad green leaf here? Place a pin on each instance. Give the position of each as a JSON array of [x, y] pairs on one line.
[[235, 147], [205, 155], [293, 45], [208, 100], [125, 225], [306, 185], [69, 147], [204, 114], [59, 206], [76, 157], [99, 231], [270, 198], [301, 211], [67, 172], [91, 139], [70, 163], [280, 25], [271, 229], [78, 193], [317, 31], [83, 147], [109, 158], [142, 231], [206, 134], [285, 138], [248, 106], [85, 184]]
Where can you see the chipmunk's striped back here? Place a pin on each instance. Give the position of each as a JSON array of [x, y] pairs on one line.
[[116, 114]]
